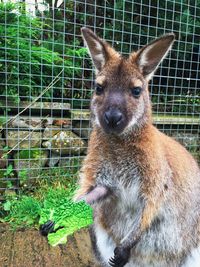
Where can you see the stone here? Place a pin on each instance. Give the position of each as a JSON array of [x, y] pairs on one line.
[[50, 131], [47, 105], [23, 139], [26, 123], [64, 123], [56, 126], [82, 128], [53, 159], [80, 114], [175, 120], [65, 143], [28, 164]]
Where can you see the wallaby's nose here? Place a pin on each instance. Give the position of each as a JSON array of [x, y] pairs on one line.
[[113, 117]]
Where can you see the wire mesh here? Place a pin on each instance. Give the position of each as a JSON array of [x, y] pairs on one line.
[[46, 79]]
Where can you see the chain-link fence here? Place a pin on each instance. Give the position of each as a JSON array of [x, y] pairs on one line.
[[46, 79]]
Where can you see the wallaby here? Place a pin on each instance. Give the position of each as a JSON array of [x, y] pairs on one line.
[[143, 185]]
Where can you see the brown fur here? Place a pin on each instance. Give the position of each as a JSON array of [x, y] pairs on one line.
[[169, 175]]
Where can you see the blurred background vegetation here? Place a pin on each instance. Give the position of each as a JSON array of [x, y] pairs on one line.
[[37, 45]]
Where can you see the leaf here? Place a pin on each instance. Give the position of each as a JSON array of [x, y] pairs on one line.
[[9, 170], [60, 237], [7, 205]]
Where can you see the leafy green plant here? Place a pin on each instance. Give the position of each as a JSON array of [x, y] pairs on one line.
[[9, 171], [23, 176], [27, 64], [23, 212], [54, 204], [59, 207]]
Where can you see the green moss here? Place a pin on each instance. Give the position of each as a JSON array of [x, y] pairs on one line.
[[30, 154]]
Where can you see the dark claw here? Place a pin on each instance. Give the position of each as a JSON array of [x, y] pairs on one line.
[[121, 257], [47, 228], [117, 263]]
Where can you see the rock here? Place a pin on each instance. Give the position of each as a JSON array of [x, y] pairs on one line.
[[30, 139], [47, 105], [65, 123], [26, 123], [65, 143], [80, 114], [50, 132], [55, 127], [53, 159], [28, 164], [82, 128]]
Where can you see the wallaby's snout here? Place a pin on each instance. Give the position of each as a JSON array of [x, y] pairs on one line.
[[113, 118], [111, 112]]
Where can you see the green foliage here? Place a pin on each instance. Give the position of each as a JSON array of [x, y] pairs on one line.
[[59, 207], [23, 176], [27, 65], [35, 49], [54, 204], [30, 154], [9, 171], [23, 212]]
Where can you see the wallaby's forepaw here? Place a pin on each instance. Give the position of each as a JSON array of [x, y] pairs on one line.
[[93, 196], [121, 257], [79, 195], [48, 228]]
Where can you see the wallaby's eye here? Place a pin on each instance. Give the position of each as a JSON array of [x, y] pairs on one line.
[[99, 89], [136, 91]]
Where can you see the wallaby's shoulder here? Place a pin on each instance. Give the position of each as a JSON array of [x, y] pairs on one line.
[[180, 160]]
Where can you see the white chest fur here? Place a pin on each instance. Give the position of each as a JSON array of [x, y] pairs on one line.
[[194, 259], [126, 214]]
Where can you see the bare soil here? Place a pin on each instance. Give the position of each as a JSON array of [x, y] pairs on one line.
[[27, 248]]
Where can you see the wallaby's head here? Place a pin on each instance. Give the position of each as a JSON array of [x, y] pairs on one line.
[[121, 102]]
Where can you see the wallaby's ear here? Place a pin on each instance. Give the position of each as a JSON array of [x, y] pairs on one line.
[[99, 50], [149, 57]]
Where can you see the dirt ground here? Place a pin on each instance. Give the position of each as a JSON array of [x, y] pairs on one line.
[[27, 248]]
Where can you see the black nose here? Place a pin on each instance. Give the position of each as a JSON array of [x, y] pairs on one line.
[[113, 117]]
